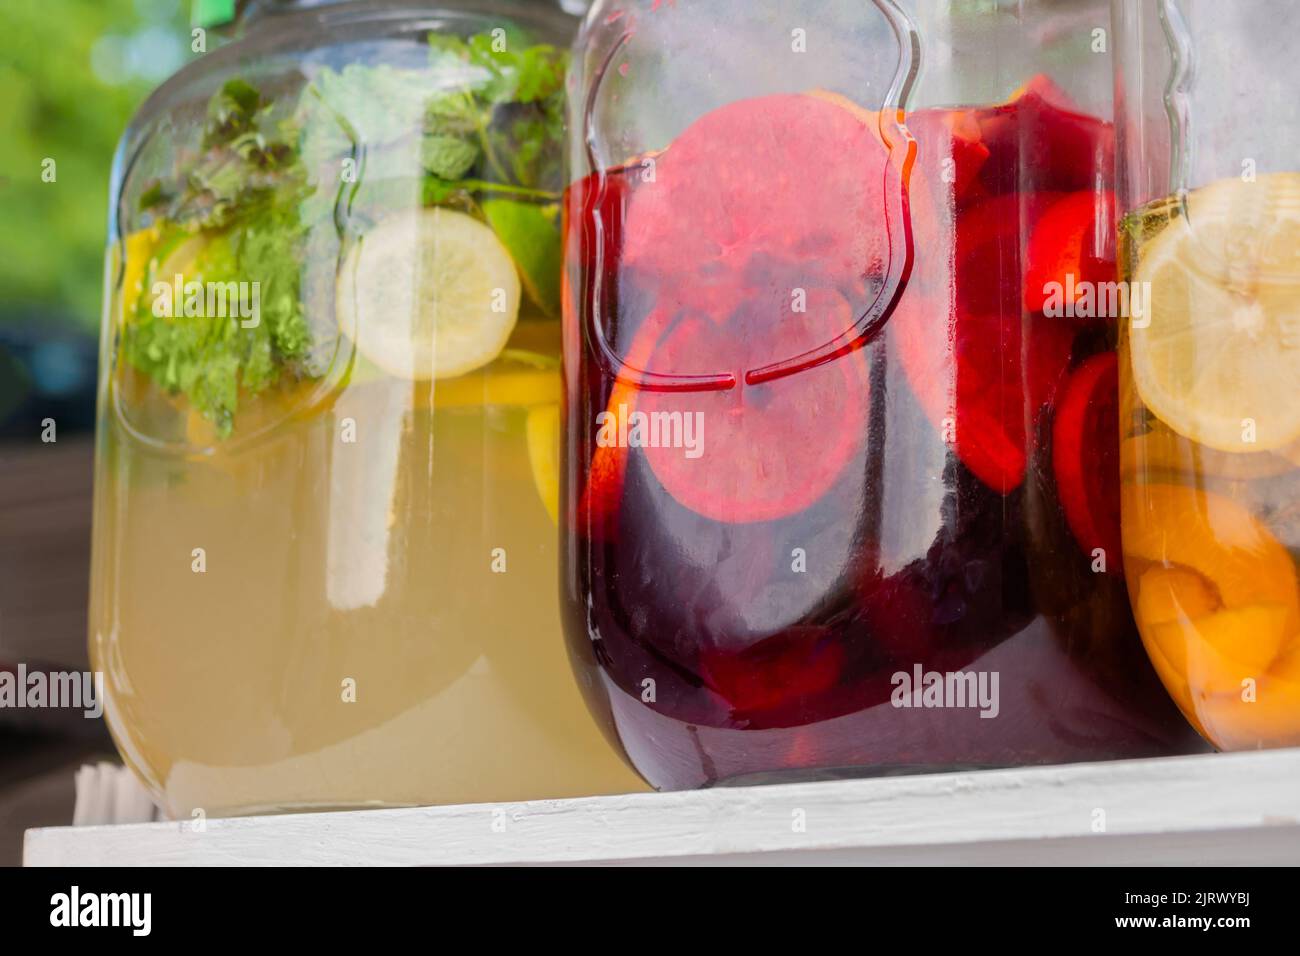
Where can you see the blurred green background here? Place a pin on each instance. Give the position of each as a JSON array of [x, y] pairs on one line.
[[71, 74]]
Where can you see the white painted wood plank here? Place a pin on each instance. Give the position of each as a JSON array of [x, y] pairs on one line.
[[1216, 808]]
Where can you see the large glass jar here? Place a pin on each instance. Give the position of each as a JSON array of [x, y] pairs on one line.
[[1210, 357], [326, 488], [840, 478]]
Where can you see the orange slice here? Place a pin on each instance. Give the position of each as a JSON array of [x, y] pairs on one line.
[[1168, 596], [1221, 650], [1217, 604], [1272, 719], [1172, 525]]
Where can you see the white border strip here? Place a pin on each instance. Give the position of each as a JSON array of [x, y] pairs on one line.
[[1218, 808]]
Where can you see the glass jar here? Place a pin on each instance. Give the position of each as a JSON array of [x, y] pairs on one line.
[[326, 485], [1210, 358], [840, 477]]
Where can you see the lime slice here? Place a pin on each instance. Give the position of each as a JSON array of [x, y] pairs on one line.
[[428, 293], [543, 433], [532, 234], [1222, 350]]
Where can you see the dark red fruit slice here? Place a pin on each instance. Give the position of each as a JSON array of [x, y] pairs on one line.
[[796, 664], [979, 366], [987, 251], [755, 205], [1070, 249], [1085, 456], [969, 374], [1039, 142], [950, 151], [786, 177], [1047, 90], [770, 449]]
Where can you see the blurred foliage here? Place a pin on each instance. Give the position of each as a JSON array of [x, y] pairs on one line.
[[71, 74]]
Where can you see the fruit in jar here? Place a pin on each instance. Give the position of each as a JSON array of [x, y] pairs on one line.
[[1070, 252], [542, 430], [1212, 535], [979, 366], [1218, 608], [743, 469], [712, 212], [428, 294], [1085, 456], [1223, 340], [746, 285]]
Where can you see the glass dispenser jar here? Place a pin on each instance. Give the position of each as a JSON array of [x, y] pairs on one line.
[[326, 485], [840, 482], [1210, 357]]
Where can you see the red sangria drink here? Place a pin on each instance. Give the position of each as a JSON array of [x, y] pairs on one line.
[[841, 472]]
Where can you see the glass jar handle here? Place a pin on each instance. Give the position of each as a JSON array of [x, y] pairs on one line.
[[901, 158]]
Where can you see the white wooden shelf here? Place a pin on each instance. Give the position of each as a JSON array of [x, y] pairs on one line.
[[1212, 809]]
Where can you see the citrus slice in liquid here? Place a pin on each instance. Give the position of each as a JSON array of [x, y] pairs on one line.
[[428, 294], [137, 250], [1216, 601], [1218, 651], [542, 429], [1212, 535], [1220, 358], [1248, 704]]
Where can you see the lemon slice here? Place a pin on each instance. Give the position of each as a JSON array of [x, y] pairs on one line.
[[137, 250], [543, 433], [1222, 349], [428, 294], [513, 388]]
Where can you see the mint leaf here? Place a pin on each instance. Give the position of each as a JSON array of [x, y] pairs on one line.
[[232, 217], [232, 112], [519, 73], [213, 359], [448, 157], [509, 98], [380, 103]]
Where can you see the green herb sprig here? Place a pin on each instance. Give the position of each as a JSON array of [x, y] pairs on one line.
[[485, 122]]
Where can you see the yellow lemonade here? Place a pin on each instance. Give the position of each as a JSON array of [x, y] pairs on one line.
[[357, 606]]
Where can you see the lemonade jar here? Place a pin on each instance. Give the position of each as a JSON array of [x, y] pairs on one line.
[[840, 475], [1209, 130], [326, 484]]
